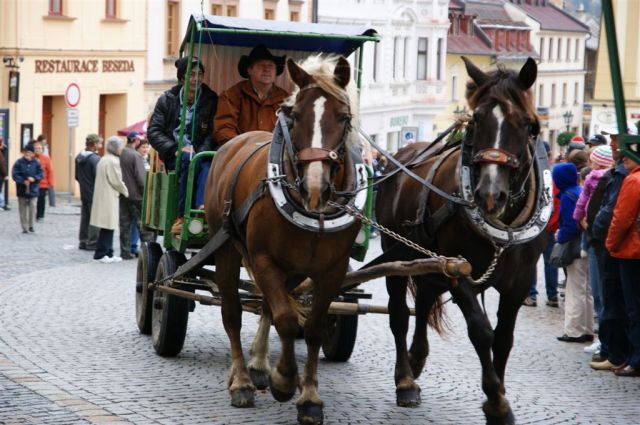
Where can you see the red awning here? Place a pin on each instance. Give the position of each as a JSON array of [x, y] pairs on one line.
[[140, 127]]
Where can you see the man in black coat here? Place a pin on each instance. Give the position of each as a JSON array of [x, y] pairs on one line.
[[164, 129], [86, 163]]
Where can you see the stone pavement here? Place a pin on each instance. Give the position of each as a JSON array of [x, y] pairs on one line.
[[70, 352]]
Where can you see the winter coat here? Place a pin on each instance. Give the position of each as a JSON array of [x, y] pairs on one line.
[[166, 118], [590, 183], [109, 184], [623, 239], [565, 177], [594, 207], [3, 167], [23, 169], [554, 220], [241, 110], [47, 180], [133, 172], [86, 163], [603, 218]]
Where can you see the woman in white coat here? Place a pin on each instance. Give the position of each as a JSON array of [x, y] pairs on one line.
[[105, 206]]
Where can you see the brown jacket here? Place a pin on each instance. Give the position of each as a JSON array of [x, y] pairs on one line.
[[240, 110]]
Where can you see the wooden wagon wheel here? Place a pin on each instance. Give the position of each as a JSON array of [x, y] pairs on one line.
[[148, 260], [340, 337], [170, 313]]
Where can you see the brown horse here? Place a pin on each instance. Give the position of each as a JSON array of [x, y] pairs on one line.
[[500, 141], [317, 168]]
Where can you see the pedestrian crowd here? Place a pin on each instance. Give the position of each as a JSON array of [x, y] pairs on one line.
[[595, 229]]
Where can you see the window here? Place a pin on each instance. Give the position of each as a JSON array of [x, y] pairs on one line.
[[55, 7], [456, 26], [294, 16], [375, 61], [541, 48], [550, 52], [405, 53], [423, 46], [553, 95], [232, 10], [216, 9], [111, 9], [577, 50], [269, 13], [541, 95], [576, 93], [173, 28], [568, 49], [564, 94], [398, 49], [440, 57], [454, 88], [559, 52]]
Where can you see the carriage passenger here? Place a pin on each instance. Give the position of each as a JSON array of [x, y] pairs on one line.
[[164, 129], [251, 104]]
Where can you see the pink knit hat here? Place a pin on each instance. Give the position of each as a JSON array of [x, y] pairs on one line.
[[602, 156]]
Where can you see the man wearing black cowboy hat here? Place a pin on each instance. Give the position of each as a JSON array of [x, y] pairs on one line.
[[251, 104]]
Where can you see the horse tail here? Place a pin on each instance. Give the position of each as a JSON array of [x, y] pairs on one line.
[[438, 319]]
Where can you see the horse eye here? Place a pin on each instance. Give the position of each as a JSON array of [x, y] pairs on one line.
[[345, 118]]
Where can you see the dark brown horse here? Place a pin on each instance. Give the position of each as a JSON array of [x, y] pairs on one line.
[[500, 140], [316, 166]]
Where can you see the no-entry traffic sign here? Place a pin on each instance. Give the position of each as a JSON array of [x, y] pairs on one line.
[[72, 95]]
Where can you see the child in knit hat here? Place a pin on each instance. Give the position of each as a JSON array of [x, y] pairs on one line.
[[601, 159]]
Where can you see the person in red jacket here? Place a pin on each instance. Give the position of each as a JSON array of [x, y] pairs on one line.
[[623, 243], [46, 182]]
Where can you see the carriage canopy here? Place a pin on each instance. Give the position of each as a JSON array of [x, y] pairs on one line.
[[282, 35]]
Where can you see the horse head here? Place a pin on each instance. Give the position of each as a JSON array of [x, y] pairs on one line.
[[320, 113], [503, 124]]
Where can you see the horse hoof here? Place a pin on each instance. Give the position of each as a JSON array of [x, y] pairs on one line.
[[409, 397], [280, 396], [259, 378], [509, 419], [310, 414], [242, 398]]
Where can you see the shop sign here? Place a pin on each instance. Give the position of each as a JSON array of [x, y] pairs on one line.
[[543, 115], [399, 121], [76, 66], [14, 86], [73, 116], [586, 113], [635, 116]]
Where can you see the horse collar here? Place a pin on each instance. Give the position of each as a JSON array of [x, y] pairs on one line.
[[289, 208], [505, 235]]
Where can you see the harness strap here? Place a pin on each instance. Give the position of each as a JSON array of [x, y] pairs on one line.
[[414, 176]]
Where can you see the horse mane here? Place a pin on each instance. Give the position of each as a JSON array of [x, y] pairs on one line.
[[321, 67], [504, 87]]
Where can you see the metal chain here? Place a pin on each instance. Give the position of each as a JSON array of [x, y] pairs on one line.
[[357, 214]]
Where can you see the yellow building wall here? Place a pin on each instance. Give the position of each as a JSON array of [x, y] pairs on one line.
[[627, 16], [112, 58], [455, 67]]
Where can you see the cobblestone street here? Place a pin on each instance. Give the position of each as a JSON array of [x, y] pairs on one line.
[[70, 352]]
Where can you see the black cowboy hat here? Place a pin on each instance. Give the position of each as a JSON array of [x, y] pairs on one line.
[[260, 52]]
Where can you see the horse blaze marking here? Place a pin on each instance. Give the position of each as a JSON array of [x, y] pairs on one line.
[[314, 171]]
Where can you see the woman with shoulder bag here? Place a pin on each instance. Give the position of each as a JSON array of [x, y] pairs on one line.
[[578, 311]]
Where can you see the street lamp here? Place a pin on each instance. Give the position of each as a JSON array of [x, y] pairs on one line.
[[460, 112], [568, 118]]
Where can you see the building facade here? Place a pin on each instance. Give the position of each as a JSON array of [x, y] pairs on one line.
[[627, 16], [99, 45], [482, 31], [403, 79], [559, 39]]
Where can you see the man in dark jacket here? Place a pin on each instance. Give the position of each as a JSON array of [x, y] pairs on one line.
[[86, 163], [133, 174], [164, 129], [613, 337], [27, 173]]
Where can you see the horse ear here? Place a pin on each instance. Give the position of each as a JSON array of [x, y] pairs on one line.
[[528, 73], [342, 73], [474, 72], [297, 74]]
